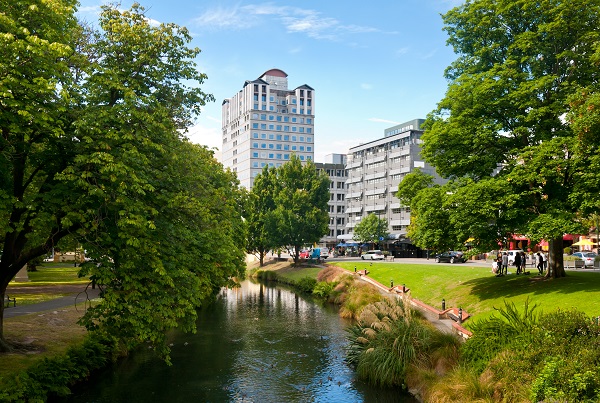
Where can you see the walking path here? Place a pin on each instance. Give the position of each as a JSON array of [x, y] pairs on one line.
[[77, 298]]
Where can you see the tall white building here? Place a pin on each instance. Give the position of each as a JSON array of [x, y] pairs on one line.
[[265, 123], [374, 171]]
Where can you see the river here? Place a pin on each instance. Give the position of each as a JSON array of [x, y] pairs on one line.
[[256, 343]]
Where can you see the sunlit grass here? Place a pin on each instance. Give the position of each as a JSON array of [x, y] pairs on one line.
[[477, 291], [55, 273]]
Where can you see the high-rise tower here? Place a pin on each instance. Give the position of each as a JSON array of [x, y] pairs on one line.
[[264, 123]]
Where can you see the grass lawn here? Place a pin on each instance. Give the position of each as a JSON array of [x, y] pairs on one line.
[[47, 275], [477, 291], [55, 273]]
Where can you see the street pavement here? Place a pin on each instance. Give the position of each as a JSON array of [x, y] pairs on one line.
[[76, 299]]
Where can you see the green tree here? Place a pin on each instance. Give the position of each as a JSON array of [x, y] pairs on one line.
[[371, 229], [301, 214], [91, 148], [411, 184], [502, 118], [260, 207]]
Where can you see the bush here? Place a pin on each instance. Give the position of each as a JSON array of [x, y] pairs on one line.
[[550, 357], [55, 376], [306, 284], [389, 342], [324, 289]]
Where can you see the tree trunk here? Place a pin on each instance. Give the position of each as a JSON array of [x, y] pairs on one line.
[[556, 267], [4, 346]]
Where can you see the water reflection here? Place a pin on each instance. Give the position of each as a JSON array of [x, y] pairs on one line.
[[254, 344]]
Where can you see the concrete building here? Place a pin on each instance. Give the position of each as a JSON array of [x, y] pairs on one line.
[[335, 167], [264, 123], [374, 171]]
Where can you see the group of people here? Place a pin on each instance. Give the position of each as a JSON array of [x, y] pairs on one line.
[[500, 264]]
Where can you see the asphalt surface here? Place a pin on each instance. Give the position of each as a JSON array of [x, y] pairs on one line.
[[76, 299]]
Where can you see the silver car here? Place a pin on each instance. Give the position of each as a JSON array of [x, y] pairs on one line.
[[587, 257]]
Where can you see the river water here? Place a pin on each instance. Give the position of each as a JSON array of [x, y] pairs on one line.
[[256, 343]]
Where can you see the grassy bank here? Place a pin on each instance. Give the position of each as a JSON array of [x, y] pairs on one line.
[[478, 292]]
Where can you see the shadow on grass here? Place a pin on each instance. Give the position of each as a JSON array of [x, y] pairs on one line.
[[512, 285]]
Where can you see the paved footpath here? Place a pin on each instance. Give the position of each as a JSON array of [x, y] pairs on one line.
[[76, 299]]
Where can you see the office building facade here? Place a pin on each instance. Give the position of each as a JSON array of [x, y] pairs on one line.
[[335, 168], [265, 123], [375, 169]]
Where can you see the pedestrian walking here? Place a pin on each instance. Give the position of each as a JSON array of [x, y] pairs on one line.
[[523, 262], [545, 260], [540, 263], [505, 263], [517, 262]]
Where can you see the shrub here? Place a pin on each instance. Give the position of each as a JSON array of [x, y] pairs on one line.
[[55, 376], [324, 289], [389, 341], [306, 284]]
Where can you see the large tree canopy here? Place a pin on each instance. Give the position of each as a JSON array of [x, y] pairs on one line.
[[90, 123], [300, 216], [502, 120], [259, 207]]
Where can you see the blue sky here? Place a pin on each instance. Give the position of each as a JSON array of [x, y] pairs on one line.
[[372, 64]]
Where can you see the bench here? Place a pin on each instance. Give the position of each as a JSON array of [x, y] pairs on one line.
[[390, 258], [9, 300]]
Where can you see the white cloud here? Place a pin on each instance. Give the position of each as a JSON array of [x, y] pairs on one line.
[[402, 51], [222, 18], [295, 20]]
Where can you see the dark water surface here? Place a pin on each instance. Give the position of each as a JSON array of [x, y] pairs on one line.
[[256, 343]]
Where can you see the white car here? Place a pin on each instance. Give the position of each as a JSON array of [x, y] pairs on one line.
[[587, 257], [511, 255], [373, 255]]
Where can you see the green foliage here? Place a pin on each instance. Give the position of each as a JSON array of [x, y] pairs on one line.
[[411, 184], [257, 212], [267, 275], [93, 149], [306, 284], [300, 216], [54, 377], [370, 229], [502, 119], [551, 357], [389, 341], [494, 334], [324, 289]]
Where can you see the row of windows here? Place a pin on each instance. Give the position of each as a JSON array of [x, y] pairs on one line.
[[283, 147], [273, 109], [282, 137], [340, 209], [280, 118], [271, 156], [263, 126], [336, 172]]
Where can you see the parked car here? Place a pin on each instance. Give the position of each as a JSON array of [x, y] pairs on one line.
[[587, 257], [322, 253], [304, 254], [452, 256], [511, 255], [375, 254]]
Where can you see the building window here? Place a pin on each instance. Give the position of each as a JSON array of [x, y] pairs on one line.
[[255, 125]]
